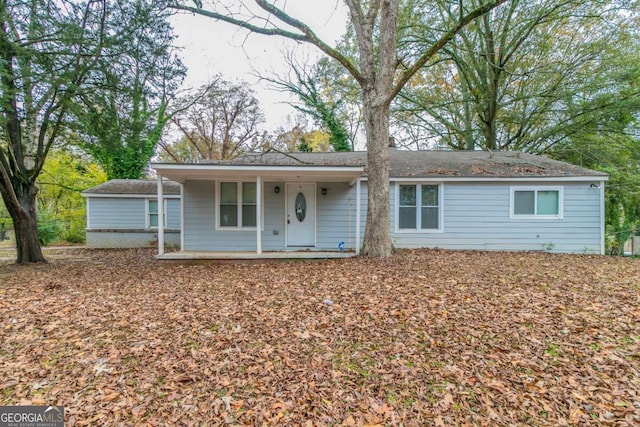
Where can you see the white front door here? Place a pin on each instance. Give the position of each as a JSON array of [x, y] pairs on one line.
[[301, 214]]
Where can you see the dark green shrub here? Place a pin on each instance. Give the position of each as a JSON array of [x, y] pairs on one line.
[[74, 234], [49, 228]]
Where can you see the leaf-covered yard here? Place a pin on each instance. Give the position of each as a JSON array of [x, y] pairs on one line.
[[426, 337]]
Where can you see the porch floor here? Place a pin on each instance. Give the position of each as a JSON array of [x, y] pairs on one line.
[[267, 255]]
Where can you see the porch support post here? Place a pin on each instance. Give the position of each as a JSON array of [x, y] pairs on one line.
[[358, 216], [160, 216], [258, 215]]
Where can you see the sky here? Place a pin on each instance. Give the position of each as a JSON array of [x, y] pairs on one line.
[[209, 47]]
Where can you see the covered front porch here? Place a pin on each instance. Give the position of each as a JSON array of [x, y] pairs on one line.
[[231, 211]]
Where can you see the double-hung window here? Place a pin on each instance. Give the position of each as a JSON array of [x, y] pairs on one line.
[[418, 207], [237, 205], [152, 213], [536, 202]]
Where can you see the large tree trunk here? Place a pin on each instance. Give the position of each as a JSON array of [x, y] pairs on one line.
[[377, 237], [25, 225], [493, 76]]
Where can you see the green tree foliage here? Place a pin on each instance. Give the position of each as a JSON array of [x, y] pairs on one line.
[[220, 121], [524, 77], [5, 222], [61, 208], [47, 49], [319, 98], [612, 144], [619, 158], [123, 113]]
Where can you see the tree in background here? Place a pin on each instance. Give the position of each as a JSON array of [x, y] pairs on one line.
[[385, 62], [296, 136], [220, 122], [560, 78], [61, 208], [318, 98], [619, 158], [612, 144], [5, 223], [47, 50], [523, 77], [125, 109]]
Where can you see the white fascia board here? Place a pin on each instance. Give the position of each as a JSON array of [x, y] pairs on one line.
[[251, 168], [502, 179], [130, 196]]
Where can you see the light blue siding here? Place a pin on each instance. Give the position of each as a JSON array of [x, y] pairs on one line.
[[335, 219], [173, 214], [273, 233], [115, 213], [200, 232], [476, 216], [336, 216], [114, 222], [127, 213]]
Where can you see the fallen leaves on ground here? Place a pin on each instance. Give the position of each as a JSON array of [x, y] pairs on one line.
[[426, 337]]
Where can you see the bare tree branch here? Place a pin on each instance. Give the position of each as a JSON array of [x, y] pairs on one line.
[[436, 47], [307, 36]]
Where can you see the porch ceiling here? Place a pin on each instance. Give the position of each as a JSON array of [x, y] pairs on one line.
[[184, 172]]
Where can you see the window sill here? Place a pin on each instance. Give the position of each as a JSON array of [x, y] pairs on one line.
[[536, 217], [237, 229], [416, 231]]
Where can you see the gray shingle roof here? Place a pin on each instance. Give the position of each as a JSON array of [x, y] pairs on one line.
[[404, 164], [425, 164], [134, 186]]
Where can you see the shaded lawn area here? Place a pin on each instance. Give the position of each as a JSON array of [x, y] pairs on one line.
[[426, 337]]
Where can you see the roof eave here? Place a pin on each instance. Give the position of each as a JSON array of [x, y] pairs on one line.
[[573, 178], [183, 172]]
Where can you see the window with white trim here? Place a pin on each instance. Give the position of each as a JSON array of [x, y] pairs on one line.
[[536, 202], [237, 205], [418, 207], [152, 213]]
